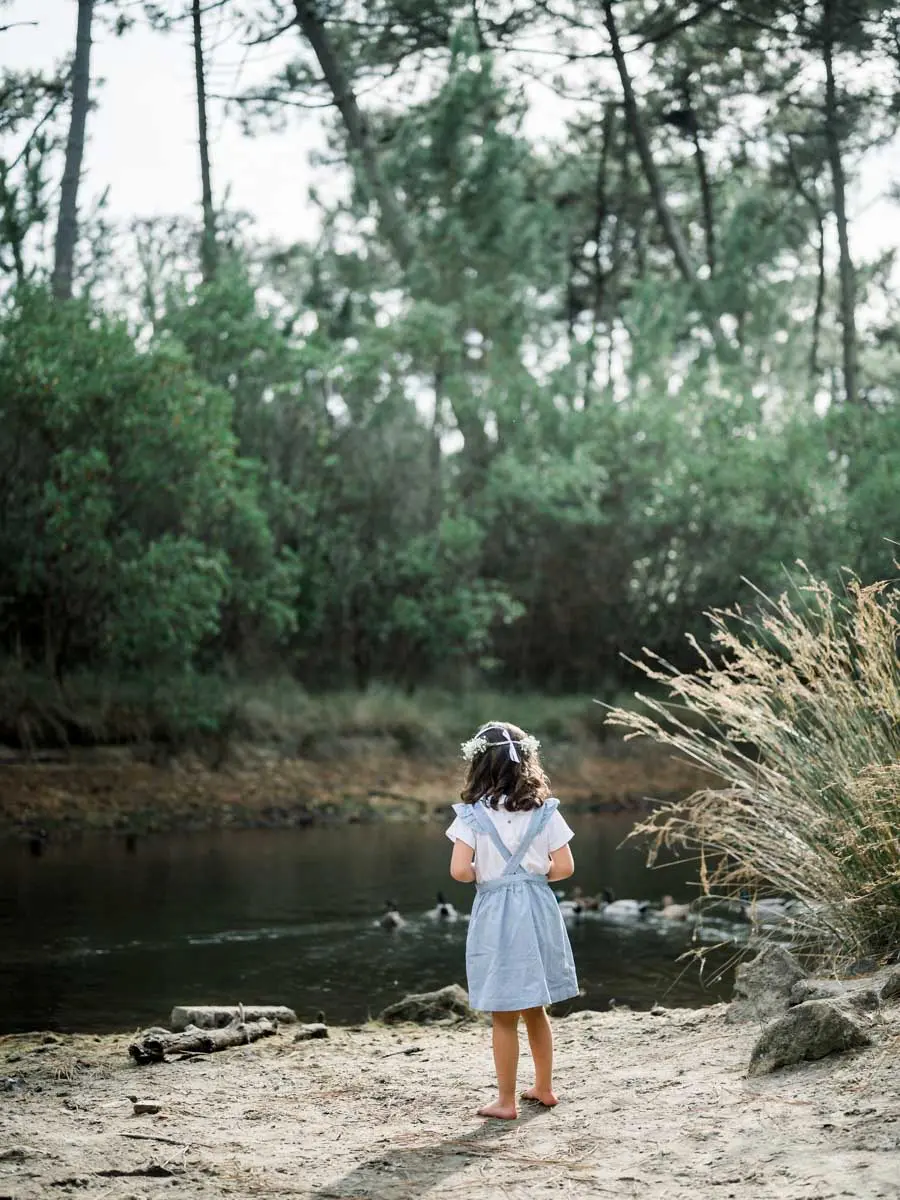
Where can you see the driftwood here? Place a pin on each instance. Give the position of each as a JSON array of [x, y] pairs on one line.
[[218, 1016], [154, 1044]]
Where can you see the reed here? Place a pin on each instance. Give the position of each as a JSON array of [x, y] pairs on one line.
[[795, 714]]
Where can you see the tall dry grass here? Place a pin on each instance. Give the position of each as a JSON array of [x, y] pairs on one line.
[[796, 715]]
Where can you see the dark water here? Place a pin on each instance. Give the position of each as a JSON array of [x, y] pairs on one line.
[[95, 938]]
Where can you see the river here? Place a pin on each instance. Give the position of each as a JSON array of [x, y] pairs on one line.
[[98, 935]]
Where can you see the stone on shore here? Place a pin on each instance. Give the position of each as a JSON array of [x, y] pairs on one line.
[[890, 989], [809, 1031], [427, 1007], [762, 987], [315, 1029], [861, 996]]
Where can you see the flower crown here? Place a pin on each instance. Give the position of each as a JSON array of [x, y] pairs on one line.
[[479, 743]]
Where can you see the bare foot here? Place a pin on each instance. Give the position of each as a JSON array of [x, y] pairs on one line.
[[503, 1112], [544, 1096]]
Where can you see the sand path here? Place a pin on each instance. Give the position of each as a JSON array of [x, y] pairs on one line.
[[653, 1106]]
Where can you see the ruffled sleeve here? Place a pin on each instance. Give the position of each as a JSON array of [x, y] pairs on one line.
[[465, 826], [558, 832]]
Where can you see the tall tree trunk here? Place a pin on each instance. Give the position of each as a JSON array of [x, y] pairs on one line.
[[709, 225], [435, 453], [670, 228], [601, 215], [208, 255], [393, 221], [846, 271], [810, 196], [67, 224], [819, 308], [672, 232]]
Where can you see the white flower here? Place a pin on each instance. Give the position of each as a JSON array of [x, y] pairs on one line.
[[474, 746], [479, 743]]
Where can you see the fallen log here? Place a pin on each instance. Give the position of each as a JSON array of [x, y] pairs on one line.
[[218, 1016], [153, 1045]]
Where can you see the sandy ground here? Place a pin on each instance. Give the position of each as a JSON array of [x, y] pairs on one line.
[[653, 1106]]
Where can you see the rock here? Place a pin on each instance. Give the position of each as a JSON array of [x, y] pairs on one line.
[[452, 1001], [315, 1029], [762, 987], [890, 989], [218, 1016], [862, 997], [142, 1107], [809, 1031]]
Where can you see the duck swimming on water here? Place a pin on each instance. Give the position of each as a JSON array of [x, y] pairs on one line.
[[578, 905], [622, 910], [443, 910], [390, 918], [671, 911]]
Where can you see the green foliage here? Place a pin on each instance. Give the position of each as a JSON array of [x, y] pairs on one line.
[[122, 493], [538, 445]]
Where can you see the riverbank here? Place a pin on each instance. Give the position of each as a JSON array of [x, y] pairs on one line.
[[123, 789], [658, 1106]]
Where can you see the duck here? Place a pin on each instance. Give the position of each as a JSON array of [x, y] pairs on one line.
[[575, 907], [589, 903], [390, 918], [769, 910], [443, 910], [670, 911], [37, 842], [622, 910]]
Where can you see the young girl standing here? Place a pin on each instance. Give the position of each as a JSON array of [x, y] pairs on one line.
[[510, 840]]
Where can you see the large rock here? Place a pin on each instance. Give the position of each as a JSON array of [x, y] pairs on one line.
[[762, 987], [426, 1007], [890, 989], [809, 1031], [859, 995]]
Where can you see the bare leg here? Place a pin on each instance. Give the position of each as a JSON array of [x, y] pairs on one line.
[[506, 1063], [540, 1039]]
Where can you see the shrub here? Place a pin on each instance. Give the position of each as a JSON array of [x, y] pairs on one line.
[[797, 719]]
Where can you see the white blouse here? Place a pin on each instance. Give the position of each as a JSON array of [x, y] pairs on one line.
[[512, 826]]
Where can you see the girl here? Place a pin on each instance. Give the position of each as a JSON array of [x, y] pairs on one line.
[[510, 840]]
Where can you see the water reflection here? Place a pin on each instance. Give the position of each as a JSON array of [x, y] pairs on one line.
[[98, 936]]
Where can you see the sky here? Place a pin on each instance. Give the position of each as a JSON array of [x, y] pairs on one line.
[[142, 133], [142, 136]]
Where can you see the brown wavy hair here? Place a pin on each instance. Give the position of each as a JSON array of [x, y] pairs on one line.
[[493, 774]]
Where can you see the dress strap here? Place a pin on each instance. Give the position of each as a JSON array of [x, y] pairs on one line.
[[535, 825], [487, 826]]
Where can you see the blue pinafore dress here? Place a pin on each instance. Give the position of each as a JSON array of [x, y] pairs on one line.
[[517, 949]]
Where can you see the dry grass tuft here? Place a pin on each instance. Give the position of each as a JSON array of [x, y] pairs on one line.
[[797, 712]]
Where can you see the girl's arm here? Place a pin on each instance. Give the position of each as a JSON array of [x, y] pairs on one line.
[[562, 864], [461, 863]]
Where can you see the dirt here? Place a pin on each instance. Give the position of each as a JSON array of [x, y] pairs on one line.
[[117, 789], [652, 1106]]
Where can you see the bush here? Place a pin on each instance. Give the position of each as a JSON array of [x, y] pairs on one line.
[[799, 715]]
